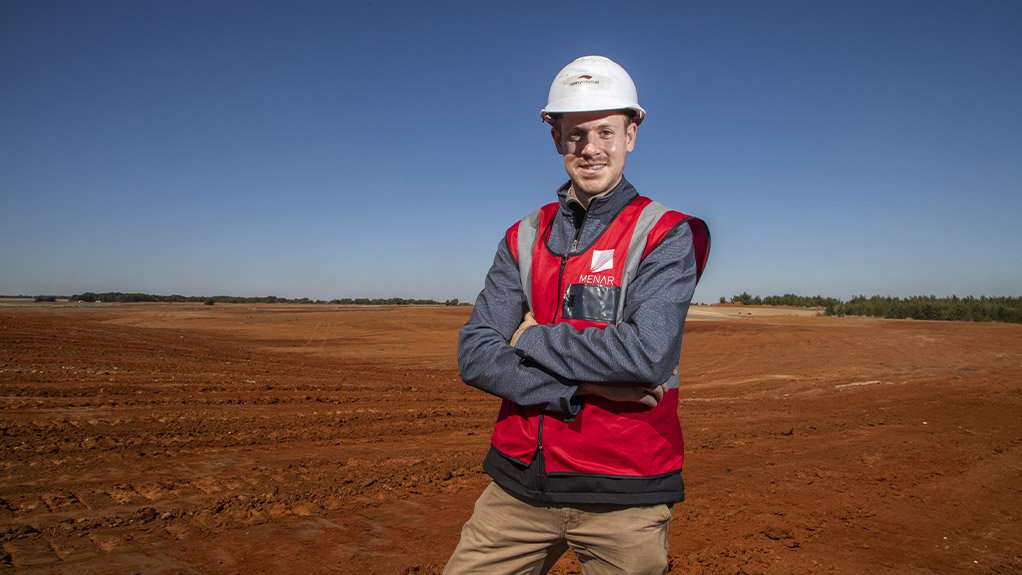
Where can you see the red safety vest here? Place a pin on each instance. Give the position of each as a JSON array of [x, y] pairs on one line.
[[587, 290]]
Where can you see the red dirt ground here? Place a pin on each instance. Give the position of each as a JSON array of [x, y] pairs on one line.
[[321, 439]]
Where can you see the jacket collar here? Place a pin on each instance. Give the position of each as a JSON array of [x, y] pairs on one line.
[[608, 204]]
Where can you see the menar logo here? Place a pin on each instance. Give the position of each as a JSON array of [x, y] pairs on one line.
[[603, 260]]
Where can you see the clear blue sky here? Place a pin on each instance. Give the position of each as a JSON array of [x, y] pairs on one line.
[[378, 149]]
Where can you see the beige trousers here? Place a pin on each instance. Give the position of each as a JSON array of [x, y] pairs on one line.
[[506, 535]]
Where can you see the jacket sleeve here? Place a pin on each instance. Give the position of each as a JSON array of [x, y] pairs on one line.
[[645, 346], [486, 359]]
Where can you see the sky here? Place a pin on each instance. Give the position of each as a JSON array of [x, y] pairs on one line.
[[381, 149]]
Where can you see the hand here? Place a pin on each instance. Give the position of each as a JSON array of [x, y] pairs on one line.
[[648, 397], [527, 322]]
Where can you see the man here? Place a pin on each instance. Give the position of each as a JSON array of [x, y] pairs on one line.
[[578, 328]]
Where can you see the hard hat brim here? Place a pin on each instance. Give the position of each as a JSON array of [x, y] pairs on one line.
[[588, 103]]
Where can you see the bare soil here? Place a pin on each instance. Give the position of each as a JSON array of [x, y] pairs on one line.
[[178, 438]]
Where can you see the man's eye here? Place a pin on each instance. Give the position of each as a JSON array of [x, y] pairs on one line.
[[606, 133], [574, 137]]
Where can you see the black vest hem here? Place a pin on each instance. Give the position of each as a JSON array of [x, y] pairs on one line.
[[534, 485]]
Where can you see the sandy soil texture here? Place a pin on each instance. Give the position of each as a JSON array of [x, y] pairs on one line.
[[223, 439]]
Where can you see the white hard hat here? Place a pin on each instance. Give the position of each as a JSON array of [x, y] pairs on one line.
[[592, 83]]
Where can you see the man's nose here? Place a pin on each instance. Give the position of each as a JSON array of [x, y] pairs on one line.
[[589, 149]]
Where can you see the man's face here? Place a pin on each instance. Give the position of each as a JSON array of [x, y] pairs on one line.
[[594, 146]]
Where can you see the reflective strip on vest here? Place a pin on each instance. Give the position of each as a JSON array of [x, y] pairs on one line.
[[648, 218], [528, 233]]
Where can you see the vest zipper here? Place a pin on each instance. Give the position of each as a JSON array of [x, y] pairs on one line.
[[540, 461], [564, 263], [557, 315]]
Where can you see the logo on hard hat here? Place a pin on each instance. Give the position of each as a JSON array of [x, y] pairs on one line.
[[583, 79]]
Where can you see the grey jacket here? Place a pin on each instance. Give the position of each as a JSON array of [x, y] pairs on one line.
[[549, 361]]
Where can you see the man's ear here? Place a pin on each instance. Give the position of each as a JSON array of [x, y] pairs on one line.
[[556, 135], [630, 133]]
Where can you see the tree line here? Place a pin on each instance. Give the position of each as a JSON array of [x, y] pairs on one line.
[[954, 308], [121, 297], [787, 299]]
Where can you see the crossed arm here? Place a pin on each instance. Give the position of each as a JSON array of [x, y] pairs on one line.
[[503, 351], [649, 397]]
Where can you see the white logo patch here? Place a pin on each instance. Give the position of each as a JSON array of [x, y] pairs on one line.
[[603, 260]]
